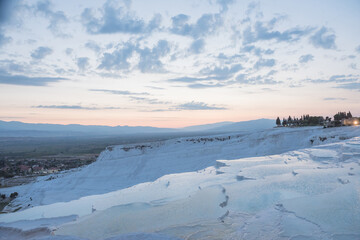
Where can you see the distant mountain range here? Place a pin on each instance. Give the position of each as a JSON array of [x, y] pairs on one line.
[[20, 129]]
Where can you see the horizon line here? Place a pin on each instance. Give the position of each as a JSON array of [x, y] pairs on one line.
[[95, 125]]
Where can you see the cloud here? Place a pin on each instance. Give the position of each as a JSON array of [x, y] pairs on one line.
[[69, 51], [202, 86], [257, 80], [252, 6], [82, 63], [93, 46], [60, 71], [31, 41], [180, 107], [348, 57], [334, 99], [55, 18], [119, 92], [192, 106], [197, 46], [293, 67], [41, 52], [262, 31], [257, 51], [211, 77], [268, 90], [198, 106], [180, 25], [118, 59], [221, 73], [224, 4], [11, 66], [272, 72], [264, 63], [349, 86], [306, 58], [349, 82], [337, 79], [28, 81], [229, 59], [186, 79], [116, 19], [4, 39], [205, 25], [149, 57], [148, 100], [75, 107], [156, 88], [324, 38], [357, 49], [353, 66]]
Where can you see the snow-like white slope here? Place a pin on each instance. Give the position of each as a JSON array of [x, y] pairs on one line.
[[301, 194], [313, 192], [123, 166]]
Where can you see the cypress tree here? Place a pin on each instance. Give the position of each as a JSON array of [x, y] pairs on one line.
[[278, 122]]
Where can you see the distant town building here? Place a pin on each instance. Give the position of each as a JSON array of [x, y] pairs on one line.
[[52, 170], [25, 169], [37, 169], [351, 121]]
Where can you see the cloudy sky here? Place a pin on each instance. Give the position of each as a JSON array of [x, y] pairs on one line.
[[177, 63]]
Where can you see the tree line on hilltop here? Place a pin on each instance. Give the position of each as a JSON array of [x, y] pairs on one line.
[[307, 120]]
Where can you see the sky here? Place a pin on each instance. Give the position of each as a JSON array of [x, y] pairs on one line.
[[177, 63]]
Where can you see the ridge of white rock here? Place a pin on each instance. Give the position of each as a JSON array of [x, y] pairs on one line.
[[276, 184], [123, 166]]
